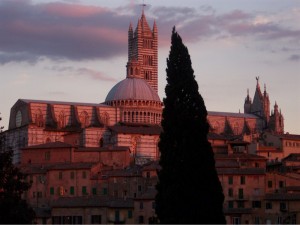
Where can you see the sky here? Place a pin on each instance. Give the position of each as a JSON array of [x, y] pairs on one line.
[[76, 50]]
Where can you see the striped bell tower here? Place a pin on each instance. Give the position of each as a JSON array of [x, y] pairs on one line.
[[142, 51]]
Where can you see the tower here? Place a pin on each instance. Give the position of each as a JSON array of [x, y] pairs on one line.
[[247, 104], [143, 52], [261, 104], [277, 121], [261, 108]]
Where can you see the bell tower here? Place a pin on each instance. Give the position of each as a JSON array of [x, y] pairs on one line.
[[143, 50]]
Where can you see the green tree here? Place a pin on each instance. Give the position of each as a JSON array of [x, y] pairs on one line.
[[13, 209], [188, 190]]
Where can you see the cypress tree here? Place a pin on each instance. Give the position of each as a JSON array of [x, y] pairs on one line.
[[13, 209], [188, 188]]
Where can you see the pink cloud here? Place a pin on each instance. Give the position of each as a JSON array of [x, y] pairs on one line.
[[78, 32], [68, 10]]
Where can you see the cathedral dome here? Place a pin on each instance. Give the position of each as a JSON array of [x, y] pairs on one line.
[[132, 89]]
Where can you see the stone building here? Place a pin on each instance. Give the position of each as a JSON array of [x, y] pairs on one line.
[[99, 161]]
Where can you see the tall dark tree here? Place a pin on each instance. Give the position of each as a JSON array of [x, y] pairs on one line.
[[13, 209], [188, 190]]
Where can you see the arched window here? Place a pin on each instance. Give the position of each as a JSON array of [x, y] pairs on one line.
[[101, 142], [134, 145], [236, 128], [39, 120], [124, 117], [61, 120], [104, 118], [84, 119], [216, 127]]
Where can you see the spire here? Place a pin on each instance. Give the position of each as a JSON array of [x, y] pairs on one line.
[[143, 6], [257, 82], [248, 99], [154, 27], [258, 91]]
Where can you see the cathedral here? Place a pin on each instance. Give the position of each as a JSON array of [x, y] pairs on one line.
[[131, 113], [97, 163]]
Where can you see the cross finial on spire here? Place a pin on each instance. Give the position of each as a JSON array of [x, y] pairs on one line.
[[143, 6], [257, 79]]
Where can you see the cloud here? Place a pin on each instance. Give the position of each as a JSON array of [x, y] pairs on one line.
[[57, 93], [95, 74], [86, 72], [60, 30], [294, 58]]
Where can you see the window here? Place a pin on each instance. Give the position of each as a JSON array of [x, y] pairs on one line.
[[243, 179], [84, 174], [230, 180], [47, 156], [241, 193], [139, 188], [101, 142], [268, 205], [129, 214], [96, 219], [281, 184], [117, 216], [283, 206], [230, 204], [39, 121], [241, 204], [256, 204], [141, 219], [84, 119], [84, 190], [256, 220], [230, 192], [279, 220], [236, 220], [270, 184], [94, 191], [56, 220], [153, 205], [18, 119], [141, 205], [51, 190], [59, 175], [148, 174], [72, 175], [72, 190], [77, 219], [104, 191], [61, 120]]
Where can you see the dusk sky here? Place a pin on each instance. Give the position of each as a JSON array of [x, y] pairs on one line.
[[76, 50]]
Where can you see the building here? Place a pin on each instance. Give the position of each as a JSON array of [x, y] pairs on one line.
[[99, 161]]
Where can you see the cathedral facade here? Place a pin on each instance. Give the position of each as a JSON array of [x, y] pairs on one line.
[[130, 115]]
